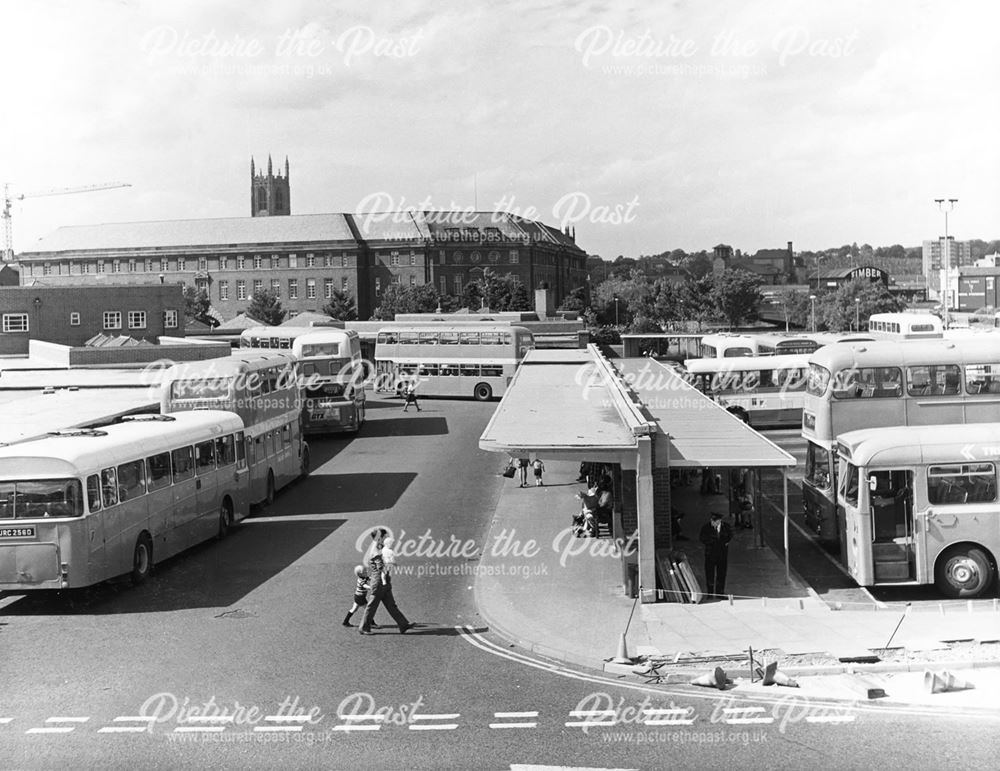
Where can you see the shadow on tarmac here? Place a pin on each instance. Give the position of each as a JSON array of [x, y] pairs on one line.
[[343, 493], [215, 574], [408, 426]]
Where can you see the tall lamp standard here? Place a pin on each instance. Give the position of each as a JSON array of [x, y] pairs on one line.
[[857, 314], [616, 311], [812, 303], [946, 205]]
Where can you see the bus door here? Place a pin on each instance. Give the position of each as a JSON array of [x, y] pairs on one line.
[[206, 491], [890, 500], [97, 550], [185, 510]]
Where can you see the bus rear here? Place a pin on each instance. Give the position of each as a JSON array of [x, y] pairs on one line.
[[333, 407]]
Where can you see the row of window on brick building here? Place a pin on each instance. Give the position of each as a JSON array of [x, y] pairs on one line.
[[242, 262], [111, 320]]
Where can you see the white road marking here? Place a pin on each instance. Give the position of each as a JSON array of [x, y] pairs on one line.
[[748, 720], [188, 729], [54, 730], [433, 726], [515, 714], [273, 728], [288, 718], [740, 710], [589, 723], [66, 719], [376, 718], [5, 720], [513, 725], [437, 717], [210, 719], [356, 727], [830, 718], [592, 713], [123, 729], [134, 718]]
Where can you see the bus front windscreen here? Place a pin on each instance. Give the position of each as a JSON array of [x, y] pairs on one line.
[[37, 498]]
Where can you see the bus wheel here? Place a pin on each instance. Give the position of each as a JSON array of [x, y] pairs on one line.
[[142, 559], [269, 495], [483, 392], [964, 571], [225, 518]]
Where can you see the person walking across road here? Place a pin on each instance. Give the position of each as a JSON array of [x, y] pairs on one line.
[[361, 588], [716, 535], [522, 470], [538, 467], [381, 587], [410, 396]]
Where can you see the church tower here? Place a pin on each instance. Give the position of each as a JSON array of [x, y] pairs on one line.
[[269, 195]]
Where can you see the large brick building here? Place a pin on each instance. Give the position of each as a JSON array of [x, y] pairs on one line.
[[304, 258]]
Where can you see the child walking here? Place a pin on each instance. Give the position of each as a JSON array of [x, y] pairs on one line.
[[361, 588], [539, 467]]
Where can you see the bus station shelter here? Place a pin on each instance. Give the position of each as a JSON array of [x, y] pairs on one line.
[[578, 405]]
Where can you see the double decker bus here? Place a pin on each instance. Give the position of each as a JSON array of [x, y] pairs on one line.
[[888, 383], [83, 505], [445, 359], [920, 506], [763, 390], [263, 389], [330, 370]]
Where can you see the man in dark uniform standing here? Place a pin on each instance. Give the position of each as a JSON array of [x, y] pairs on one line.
[[716, 535]]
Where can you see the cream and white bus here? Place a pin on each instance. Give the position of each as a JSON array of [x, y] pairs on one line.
[[445, 359], [920, 506], [263, 389], [330, 370], [80, 506], [763, 390]]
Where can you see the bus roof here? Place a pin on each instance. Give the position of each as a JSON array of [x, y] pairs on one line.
[[88, 449], [748, 363], [292, 333], [449, 327], [906, 445], [900, 353], [240, 360]]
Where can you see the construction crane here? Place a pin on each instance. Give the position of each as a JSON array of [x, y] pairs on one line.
[[8, 200]]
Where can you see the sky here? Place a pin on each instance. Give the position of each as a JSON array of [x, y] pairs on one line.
[[643, 126]]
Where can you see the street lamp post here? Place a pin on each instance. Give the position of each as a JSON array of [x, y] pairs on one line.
[[857, 314], [812, 303], [946, 205], [616, 311]]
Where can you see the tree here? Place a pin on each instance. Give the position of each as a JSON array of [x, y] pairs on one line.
[[341, 306], [575, 300], [839, 310], [197, 306], [634, 294], [505, 293], [735, 294], [422, 298], [265, 307]]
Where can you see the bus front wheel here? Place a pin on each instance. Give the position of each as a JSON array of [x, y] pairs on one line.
[[142, 559], [483, 392], [964, 572]]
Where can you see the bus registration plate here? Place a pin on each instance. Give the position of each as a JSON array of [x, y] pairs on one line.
[[317, 415], [27, 531]]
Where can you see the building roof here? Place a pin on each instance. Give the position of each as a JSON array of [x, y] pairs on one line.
[[311, 319], [239, 322], [225, 231]]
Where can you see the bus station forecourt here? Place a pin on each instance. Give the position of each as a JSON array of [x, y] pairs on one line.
[[565, 407]]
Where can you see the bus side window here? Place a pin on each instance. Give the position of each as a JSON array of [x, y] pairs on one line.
[[158, 471], [131, 480], [286, 435], [225, 451], [94, 493], [204, 454], [109, 487], [183, 462], [241, 450]]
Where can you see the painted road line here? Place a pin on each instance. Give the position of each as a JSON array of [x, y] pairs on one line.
[[134, 719], [275, 728], [830, 718], [433, 726], [124, 729], [671, 716], [288, 718], [376, 718], [356, 727], [53, 730], [5, 720], [515, 714], [66, 719], [210, 719], [425, 716], [741, 710], [189, 729], [592, 713], [513, 725]]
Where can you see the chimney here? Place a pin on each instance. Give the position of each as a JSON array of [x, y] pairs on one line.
[[543, 304]]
